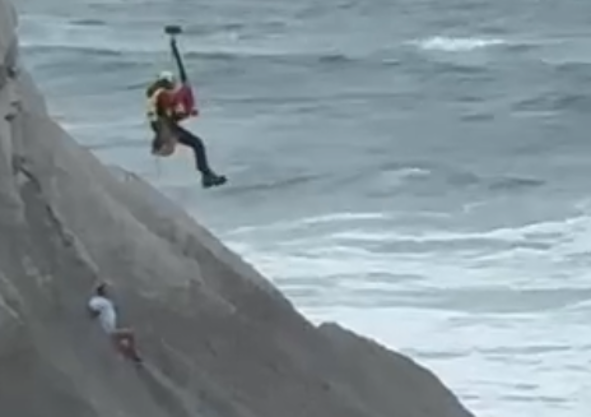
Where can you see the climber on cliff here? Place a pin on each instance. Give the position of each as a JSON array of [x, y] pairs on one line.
[[169, 103], [103, 308]]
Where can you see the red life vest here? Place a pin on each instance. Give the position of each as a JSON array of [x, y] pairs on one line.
[[183, 102]]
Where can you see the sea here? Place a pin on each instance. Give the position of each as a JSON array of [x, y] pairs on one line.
[[416, 170]]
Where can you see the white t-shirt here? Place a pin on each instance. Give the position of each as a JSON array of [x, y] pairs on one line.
[[106, 311]]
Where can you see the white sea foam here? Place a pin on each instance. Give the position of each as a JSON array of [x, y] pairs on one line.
[[449, 44], [442, 261]]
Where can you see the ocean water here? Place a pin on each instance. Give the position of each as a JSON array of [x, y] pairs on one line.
[[417, 170]]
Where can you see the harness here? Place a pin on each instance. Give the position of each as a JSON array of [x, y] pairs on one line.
[[165, 140]]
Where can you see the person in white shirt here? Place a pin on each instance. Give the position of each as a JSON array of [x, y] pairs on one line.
[[102, 307]]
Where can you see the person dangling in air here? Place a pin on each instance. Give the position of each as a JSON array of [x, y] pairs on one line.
[[169, 103]]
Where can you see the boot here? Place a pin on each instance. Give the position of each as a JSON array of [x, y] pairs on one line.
[[211, 179]]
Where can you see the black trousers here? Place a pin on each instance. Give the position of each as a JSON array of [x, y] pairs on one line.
[[192, 141]]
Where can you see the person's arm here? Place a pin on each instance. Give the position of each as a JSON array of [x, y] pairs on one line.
[[179, 61], [92, 311], [184, 96]]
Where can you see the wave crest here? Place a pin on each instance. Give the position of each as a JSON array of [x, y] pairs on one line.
[[450, 44]]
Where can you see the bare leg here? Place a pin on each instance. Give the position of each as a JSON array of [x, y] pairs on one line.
[[124, 340]]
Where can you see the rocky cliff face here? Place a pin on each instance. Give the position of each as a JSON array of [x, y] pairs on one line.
[[218, 339]]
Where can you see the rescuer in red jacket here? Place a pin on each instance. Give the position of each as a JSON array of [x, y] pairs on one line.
[[168, 105]]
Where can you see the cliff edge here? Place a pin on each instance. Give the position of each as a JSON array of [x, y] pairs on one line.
[[218, 338]]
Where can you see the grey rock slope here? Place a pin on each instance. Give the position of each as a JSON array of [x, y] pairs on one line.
[[218, 338]]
